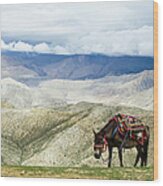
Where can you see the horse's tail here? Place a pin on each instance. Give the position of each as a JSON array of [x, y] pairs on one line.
[[146, 144]]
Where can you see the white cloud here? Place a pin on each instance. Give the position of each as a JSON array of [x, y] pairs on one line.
[[60, 50], [3, 45], [112, 28], [9, 46], [25, 47], [127, 42], [21, 46], [74, 18], [42, 48]]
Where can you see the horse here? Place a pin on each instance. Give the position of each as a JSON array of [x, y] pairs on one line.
[[109, 137]]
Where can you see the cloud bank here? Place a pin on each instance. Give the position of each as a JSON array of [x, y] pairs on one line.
[[111, 28], [126, 42]]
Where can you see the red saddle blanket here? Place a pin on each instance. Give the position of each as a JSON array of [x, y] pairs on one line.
[[132, 127]]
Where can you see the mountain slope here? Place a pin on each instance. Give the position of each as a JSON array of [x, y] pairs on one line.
[[19, 95], [15, 93], [111, 90], [128, 90], [62, 137]]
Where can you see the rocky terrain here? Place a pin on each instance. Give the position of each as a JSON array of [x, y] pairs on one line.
[[61, 136]]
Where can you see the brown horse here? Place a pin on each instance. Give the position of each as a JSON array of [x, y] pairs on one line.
[[109, 137]]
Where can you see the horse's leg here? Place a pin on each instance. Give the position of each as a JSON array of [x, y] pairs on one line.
[[110, 155], [142, 155], [146, 152], [145, 158], [137, 157], [120, 157]]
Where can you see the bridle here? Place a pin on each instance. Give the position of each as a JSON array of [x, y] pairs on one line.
[[103, 146]]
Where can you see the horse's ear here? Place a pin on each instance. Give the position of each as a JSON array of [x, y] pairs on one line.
[[94, 132]]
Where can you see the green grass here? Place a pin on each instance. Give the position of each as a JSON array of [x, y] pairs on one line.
[[115, 173]]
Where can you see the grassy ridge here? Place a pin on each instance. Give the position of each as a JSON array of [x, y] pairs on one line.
[[114, 173]]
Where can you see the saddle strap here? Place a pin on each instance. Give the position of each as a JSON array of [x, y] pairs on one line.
[[124, 140], [114, 132]]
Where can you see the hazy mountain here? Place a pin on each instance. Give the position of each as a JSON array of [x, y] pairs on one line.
[[111, 90], [32, 67], [128, 90], [17, 94]]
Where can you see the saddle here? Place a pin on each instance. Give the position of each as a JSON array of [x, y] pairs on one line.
[[131, 127]]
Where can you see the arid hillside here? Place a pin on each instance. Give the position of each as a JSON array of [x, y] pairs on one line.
[[61, 136]]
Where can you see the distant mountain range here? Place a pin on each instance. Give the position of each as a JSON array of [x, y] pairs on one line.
[[30, 68]]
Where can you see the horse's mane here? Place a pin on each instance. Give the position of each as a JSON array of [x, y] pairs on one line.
[[107, 126]]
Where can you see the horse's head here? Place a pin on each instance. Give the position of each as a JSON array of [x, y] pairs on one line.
[[100, 144]]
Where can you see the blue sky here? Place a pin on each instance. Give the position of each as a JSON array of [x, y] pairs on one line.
[[111, 28]]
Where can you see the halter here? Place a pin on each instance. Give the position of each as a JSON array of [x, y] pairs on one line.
[[102, 146]]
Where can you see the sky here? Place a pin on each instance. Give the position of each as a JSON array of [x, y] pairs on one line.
[[110, 28]]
